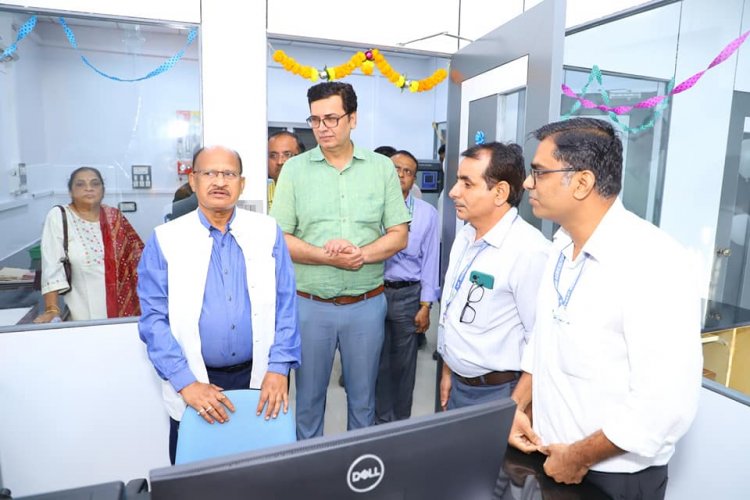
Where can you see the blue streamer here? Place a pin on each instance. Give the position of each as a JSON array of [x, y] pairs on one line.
[[165, 66], [596, 75], [23, 32]]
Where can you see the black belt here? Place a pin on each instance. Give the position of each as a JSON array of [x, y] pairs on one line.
[[232, 368], [491, 378], [400, 284]]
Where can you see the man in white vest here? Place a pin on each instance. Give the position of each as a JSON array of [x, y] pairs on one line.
[[218, 300]]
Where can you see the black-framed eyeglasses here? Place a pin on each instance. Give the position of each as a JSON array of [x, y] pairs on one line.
[[468, 314], [330, 121], [538, 172]]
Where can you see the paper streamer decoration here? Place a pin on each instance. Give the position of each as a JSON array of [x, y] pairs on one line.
[[23, 32], [596, 75], [165, 66], [29, 25], [653, 101]]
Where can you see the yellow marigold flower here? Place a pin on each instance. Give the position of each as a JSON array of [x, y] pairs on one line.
[[331, 74], [414, 86], [401, 81]]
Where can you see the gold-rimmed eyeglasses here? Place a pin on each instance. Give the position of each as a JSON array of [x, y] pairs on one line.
[[229, 175]]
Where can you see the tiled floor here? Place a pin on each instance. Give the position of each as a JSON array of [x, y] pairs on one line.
[[424, 388]]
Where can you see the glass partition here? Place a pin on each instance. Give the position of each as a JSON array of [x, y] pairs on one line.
[[687, 167], [115, 95]]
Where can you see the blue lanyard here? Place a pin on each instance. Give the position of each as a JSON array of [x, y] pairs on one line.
[[462, 275], [410, 206], [563, 301]]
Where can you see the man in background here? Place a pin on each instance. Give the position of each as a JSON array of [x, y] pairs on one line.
[[411, 287], [282, 145]]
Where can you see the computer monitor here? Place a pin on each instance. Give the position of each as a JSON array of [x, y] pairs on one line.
[[451, 455]]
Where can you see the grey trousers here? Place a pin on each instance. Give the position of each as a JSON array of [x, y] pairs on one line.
[[398, 358]]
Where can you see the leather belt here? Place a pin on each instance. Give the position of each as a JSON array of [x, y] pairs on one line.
[[491, 378], [232, 368], [344, 300], [399, 284]]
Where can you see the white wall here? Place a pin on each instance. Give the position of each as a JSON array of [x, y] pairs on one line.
[[81, 406], [386, 115], [711, 460], [233, 56], [187, 11], [644, 45]]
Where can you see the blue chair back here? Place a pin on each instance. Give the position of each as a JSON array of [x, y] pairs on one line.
[[199, 440]]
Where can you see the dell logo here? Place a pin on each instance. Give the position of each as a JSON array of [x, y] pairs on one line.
[[365, 473]]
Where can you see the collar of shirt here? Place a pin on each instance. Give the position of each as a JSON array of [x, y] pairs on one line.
[[499, 231], [316, 155], [208, 225], [604, 242]]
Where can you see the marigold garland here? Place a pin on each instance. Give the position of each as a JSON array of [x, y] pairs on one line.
[[366, 62]]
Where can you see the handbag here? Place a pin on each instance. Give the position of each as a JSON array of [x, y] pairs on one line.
[[65, 260]]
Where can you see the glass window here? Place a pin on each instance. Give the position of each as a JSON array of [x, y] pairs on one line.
[[64, 105]]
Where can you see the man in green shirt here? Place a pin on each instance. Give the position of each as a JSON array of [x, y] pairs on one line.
[[343, 214]]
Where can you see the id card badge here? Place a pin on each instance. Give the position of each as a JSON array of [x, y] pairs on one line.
[[560, 315]]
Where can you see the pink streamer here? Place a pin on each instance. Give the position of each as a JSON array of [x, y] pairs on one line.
[[653, 101]]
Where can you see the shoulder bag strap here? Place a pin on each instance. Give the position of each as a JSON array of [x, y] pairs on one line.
[[65, 229]]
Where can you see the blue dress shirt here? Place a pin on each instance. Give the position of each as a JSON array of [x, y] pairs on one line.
[[419, 261], [225, 326]]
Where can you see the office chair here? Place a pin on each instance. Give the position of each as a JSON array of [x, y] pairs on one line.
[[199, 440]]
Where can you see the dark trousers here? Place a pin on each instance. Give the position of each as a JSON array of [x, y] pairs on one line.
[[648, 484], [398, 358], [227, 381]]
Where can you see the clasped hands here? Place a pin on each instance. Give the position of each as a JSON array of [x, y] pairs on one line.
[[563, 464], [344, 254]]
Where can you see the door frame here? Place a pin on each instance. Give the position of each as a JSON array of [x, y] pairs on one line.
[[538, 33]]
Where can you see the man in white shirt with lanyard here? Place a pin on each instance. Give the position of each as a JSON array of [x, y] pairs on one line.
[[489, 297], [614, 364]]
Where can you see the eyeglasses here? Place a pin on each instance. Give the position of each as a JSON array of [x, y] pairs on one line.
[[405, 171], [276, 156], [330, 121], [468, 314], [537, 172], [229, 175]]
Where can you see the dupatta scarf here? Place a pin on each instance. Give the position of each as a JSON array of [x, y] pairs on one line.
[[122, 251]]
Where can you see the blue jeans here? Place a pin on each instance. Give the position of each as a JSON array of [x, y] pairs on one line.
[[357, 331], [463, 395]]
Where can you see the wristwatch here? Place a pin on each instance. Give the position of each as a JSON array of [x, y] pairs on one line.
[[428, 305]]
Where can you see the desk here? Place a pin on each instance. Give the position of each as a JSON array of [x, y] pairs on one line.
[[726, 345], [14, 316]]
